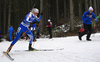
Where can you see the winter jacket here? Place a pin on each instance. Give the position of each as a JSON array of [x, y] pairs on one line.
[[10, 30], [86, 19], [49, 24]]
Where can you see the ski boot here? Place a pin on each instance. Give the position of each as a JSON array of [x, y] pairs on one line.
[[30, 48]]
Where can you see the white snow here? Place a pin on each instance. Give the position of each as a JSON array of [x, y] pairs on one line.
[[74, 50]]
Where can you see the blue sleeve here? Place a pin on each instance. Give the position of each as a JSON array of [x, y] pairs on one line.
[[94, 17], [38, 19], [85, 17]]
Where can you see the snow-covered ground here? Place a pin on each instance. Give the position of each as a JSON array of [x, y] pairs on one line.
[[74, 50]]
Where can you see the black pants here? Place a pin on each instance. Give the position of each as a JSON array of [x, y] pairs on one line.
[[38, 32], [88, 30], [50, 31]]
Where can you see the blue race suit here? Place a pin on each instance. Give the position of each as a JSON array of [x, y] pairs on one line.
[[23, 27], [10, 33], [33, 28]]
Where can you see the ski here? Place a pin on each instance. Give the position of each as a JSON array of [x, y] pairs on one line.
[[8, 56], [40, 50]]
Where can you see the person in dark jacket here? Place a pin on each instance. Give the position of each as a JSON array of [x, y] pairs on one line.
[[49, 26], [1, 36], [87, 16]]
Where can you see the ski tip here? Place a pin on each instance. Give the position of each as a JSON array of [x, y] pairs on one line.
[[7, 54]]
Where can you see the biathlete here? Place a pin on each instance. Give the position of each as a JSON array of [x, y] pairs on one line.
[[24, 27]]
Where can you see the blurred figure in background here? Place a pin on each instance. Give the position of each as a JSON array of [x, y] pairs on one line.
[[10, 33], [1, 36], [49, 26]]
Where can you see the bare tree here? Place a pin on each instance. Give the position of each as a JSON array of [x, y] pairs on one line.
[[57, 10], [95, 7], [90, 2], [42, 21], [29, 5], [98, 7], [71, 15], [86, 5], [4, 17], [0, 14], [80, 9], [65, 13], [9, 13]]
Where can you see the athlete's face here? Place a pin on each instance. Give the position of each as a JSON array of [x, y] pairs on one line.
[[90, 11], [35, 13]]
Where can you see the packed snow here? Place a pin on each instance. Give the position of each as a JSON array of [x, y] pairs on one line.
[[74, 50]]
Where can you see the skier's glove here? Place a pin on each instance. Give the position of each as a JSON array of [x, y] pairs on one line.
[[41, 13], [38, 22], [96, 20]]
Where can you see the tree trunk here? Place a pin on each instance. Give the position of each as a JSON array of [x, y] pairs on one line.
[[86, 5], [0, 14], [29, 5], [54, 11], [42, 21], [90, 2], [95, 8], [65, 13], [4, 18], [71, 15], [9, 13], [80, 10], [98, 7], [57, 10]]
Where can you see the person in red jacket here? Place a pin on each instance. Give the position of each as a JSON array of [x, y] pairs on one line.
[[49, 26]]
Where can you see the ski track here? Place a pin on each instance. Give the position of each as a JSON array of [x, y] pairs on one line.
[[74, 50]]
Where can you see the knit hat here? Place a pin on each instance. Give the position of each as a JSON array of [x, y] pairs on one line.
[[35, 10], [91, 8], [49, 20]]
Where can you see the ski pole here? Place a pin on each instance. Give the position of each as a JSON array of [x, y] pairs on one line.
[[6, 51], [24, 33], [35, 38], [34, 42]]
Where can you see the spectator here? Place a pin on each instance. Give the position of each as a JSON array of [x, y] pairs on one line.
[[10, 33], [0, 36], [49, 26]]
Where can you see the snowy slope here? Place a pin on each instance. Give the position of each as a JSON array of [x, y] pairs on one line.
[[74, 50]]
